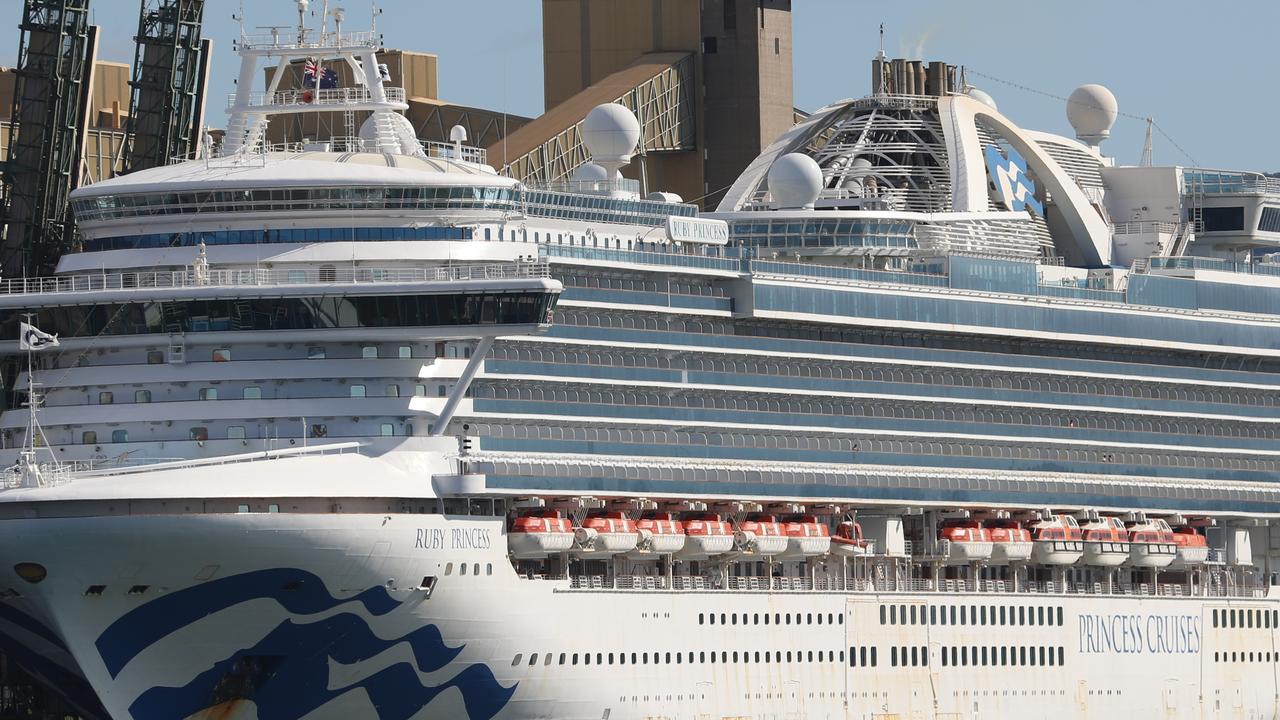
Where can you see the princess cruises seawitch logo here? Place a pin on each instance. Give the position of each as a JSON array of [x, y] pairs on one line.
[[1008, 173]]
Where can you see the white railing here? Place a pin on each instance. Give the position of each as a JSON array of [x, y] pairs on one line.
[[257, 277], [465, 153], [309, 97], [902, 585], [293, 39], [1144, 227]]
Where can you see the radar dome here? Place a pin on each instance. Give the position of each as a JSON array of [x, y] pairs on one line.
[[590, 173], [795, 180], [404, 134], [982, 97], [610, 133], [1092, 110]]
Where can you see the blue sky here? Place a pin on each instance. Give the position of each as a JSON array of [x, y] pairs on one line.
[[1204, 70]]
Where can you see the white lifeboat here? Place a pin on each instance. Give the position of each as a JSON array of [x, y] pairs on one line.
[[1010, 542], [660, 533], [604, 534], [849, 542], [806, 537], [1106, 542], [762, 535], [1057, 540], [1151, 544], [966, 541], [1193, 548], [539, 533], [705, 535]]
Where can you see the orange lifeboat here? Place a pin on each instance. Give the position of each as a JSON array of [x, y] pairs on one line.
[[761, 534], [848, 540], [706, 535], [1010, 542], [1057, 540], [539, 533], [1193, 548], [606, 533], [966, 541], [1106, 542], [1151, 544], [806, 537], [659, 532]]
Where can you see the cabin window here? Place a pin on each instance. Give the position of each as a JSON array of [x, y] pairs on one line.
[[119, 436], [89, 437], [516, 660], [235, 432], [420, 390], [882, 614], [462, 568], [252, 392], [893, 656], [404, 352], [155, 357], [369, 352], [393, 391], [222, 355], [933, 615], [316, 353], [200, 433], [208, 393], [1060, 616], [533, 659], [142, 396], [357, 391], [105, 398], [913, 616]]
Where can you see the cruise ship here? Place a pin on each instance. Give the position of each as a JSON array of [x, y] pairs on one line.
[[933, 417]]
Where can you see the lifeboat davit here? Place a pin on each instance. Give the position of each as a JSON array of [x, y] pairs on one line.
[[966, 541], [1151, 544], [806, 537], [1193, 549], [1010, 542], [539, 533], [659, 533], [1106, 542], [604, 534], [848, 540], [706, 534], [762, 535], [1057, 540]]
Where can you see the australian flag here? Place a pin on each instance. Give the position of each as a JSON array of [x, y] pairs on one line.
[[328, 76]]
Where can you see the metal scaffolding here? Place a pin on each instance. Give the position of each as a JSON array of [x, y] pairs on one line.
[[169, 80], [50, 101]]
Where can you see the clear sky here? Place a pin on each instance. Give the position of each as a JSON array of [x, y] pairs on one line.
[[1205, 70]]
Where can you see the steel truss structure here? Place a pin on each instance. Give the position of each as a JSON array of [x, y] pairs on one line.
[[50, 101], [169, 77], [664, 105]]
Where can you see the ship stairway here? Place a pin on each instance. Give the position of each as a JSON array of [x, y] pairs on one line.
[[177, 352]]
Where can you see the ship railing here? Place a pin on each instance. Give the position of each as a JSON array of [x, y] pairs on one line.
[[309, 39], [261, 277], [1145, 227], [857, 584], [310, 97], [340, 448]]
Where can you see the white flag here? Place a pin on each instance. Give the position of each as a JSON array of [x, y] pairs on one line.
[[31, 337]]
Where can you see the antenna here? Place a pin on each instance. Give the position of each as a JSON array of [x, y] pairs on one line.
[[882, 40], [1147, 146]]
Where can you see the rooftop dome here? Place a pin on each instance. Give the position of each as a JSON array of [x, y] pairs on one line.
[[795, 180], [610, 133], [983, 97], [1092, 110]]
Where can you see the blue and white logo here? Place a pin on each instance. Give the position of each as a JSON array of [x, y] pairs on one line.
[[1008, 173]]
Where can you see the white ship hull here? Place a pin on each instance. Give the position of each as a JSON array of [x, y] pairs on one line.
[[226, 594]]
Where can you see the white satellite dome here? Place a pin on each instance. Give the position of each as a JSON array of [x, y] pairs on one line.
[[403, 132], [591, 173], [983, 97], [795, 180], [610, 133], [1092, 110]]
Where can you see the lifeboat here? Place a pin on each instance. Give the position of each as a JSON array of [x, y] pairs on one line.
[[1010, 542], [1057, 540], [537, 534], [848, 540], [1106, 542], [761, 534], [806, 537], [966, 541], [705, 535], [1193, 549], [659, 532], [1151, 544], [604, 534]]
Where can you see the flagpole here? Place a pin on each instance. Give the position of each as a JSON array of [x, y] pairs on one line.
[[32, 476]]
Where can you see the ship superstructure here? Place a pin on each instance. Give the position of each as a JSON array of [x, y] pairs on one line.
[[933, 417]]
